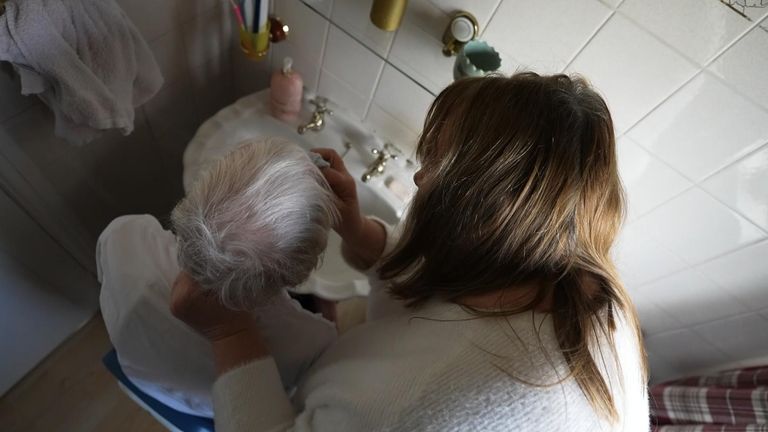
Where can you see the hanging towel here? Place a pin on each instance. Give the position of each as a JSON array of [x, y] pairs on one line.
[[84, 59]]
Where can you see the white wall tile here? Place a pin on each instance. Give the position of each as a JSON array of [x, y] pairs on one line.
[[755, 10], [740, 338], [684, 350], [744, 64], [561, 28], [697, 28], [420, 55], [653, 319], [402, 98], [389, 128], [692, 298], [352, 63], [427, 16], [324, 7], [744, 186], [648, 181], [743, 273], [354, 17], [305, 43], [612, 3], [702, 128], [481, 9], [509, 65], [696, 227], [338, 92], [640, 259], [633, 80]]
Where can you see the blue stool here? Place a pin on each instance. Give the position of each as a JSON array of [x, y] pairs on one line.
[[169, 417]]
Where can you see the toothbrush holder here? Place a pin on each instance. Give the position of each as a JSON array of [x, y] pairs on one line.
[[256, 45]]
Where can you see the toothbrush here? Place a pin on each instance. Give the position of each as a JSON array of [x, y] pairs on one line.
[[249, 12], [238, 14], [263, 15]]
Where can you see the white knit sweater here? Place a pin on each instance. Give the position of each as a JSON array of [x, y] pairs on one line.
[[435, 369]]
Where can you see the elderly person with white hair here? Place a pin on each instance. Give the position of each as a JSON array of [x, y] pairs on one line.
[[254, 224]]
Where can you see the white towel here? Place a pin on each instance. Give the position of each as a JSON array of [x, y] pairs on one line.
[[84, 59]]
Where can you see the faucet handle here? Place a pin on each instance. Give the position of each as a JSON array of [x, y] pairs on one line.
[[383, 153], [393, 150], [321, 105]]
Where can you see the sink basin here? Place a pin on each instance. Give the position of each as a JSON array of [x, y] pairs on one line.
[[248, 118]]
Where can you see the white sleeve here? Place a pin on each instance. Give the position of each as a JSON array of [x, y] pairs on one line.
[[251, 398], [380, 303]]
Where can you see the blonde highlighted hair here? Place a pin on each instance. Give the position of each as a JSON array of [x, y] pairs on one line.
[[521, 186]]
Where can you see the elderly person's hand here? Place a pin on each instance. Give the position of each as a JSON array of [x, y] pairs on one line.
[[203, 312], [234, 335]]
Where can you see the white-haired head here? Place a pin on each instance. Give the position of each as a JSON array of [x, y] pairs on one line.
[[255, 223]]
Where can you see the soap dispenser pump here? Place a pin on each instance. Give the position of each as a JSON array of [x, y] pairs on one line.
[[286, 88]]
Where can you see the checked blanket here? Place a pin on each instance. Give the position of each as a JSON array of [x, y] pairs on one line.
[[729, 401]]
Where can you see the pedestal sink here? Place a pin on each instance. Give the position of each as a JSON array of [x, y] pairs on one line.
[[248, 118]]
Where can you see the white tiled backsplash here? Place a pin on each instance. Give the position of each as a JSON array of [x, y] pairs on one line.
[[686, 84]]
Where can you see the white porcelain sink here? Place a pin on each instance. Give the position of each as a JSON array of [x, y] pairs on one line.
[[249, 117]]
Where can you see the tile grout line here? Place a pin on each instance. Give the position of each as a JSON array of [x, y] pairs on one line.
[[589, 40], [736, 40], [490, 19], [702, 68], [324, 49], [750, 153], [375, 88], [695, 268]]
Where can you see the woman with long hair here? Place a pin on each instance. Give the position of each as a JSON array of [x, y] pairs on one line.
[[495, 305]]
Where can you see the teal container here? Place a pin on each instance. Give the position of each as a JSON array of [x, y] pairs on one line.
[[476, 58]]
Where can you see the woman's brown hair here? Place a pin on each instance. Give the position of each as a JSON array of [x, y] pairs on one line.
[[521, 186]]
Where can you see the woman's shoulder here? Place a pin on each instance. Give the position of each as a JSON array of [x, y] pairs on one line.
[[510, 374]]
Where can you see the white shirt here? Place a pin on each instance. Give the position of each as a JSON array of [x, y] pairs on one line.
[[137, 264], [435, 369]]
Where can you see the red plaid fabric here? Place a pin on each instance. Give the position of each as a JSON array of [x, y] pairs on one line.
[[730, 401]]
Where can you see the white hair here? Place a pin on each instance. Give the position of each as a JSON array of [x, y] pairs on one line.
[[256, 222]]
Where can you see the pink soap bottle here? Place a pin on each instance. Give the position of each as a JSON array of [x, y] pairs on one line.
[[285, 92]]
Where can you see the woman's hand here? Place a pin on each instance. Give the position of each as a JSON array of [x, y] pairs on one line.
[[364, 239], [203, 311], [343, 185], [234, 336]]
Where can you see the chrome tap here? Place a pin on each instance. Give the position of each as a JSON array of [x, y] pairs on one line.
[[377, 167], [317, 123]]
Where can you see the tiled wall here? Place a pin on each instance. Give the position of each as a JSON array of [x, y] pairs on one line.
[[687, 85]]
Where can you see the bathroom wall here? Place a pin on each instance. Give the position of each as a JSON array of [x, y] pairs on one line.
[[687, 87], [87, 186], [56, 198]]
